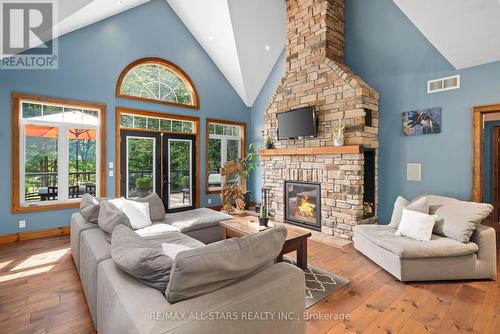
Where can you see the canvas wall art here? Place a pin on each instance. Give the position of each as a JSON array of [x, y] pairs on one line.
[[422, 122]]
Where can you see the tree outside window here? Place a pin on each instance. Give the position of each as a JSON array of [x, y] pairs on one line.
[[224, 144]]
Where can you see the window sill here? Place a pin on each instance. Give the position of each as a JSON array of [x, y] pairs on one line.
[[45, 207]]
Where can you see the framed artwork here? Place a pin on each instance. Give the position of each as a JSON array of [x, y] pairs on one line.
[[422, 122]]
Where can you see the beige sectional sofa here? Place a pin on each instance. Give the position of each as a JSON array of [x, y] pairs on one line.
[[441, 258], [119, 303]]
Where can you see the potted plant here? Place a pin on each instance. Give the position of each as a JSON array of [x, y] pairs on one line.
[[264, 214], [249, 162], [269, 143], [338, 132]]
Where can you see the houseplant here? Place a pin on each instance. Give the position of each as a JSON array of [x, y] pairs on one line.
[[250, 161], [264, 214], [338, 132], [269, 143]]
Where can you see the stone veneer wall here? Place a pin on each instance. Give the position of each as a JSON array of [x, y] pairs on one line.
[[315, 77]]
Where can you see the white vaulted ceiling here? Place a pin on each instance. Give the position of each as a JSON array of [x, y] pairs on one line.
[[466, 32], [76, 14], [244, 38]]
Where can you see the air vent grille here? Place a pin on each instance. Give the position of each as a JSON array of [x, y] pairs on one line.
[[443, 84]]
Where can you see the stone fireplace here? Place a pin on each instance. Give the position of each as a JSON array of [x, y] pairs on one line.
[[316, 76]]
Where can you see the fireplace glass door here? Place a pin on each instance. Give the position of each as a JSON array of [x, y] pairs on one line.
[[303, 204]]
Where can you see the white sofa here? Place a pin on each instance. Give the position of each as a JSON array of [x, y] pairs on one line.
[[441, 258]]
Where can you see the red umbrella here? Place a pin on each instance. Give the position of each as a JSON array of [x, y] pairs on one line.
[[52, 132]]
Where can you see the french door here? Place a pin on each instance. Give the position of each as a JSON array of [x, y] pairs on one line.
[[140, 163], [161, 163], [179, 170]]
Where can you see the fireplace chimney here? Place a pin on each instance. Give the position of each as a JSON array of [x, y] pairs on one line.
[[315, 29], [317, 77]]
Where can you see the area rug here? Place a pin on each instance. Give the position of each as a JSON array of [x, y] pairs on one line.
[[319, 283]]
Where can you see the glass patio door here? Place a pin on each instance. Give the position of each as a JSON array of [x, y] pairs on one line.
[[140, 163], [179, 172]]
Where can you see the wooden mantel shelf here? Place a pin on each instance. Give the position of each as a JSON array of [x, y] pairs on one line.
[[351, 149]]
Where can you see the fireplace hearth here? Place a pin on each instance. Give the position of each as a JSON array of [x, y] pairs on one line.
[[303, 204]]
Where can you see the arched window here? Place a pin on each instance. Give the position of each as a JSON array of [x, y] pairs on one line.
[[157, 80]]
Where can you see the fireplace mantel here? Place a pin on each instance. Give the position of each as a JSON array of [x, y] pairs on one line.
[[351, 149]]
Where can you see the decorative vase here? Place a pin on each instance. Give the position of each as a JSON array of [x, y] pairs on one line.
[[269, 145], [263, 221], [338, 142]]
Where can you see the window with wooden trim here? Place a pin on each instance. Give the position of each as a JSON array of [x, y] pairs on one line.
[[151, 123], [225, 142], [157, 80], [58, 150]]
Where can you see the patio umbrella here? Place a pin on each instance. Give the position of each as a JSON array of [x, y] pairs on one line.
[[52, 132]]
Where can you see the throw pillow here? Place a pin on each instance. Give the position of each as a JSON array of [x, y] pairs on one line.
[[110, 217], [457, 219], [419, 205], [89, 208], [156, 207], [206, 269], [416, 225], [140, 258], [137, 212]]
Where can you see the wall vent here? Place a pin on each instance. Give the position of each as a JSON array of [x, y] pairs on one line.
[[443, 84]]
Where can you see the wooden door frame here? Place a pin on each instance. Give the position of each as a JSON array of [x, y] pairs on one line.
[[121, 110], [477, 148], [495, 157]]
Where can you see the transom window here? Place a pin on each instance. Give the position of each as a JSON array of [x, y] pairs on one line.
[[157, 80], [226, 142], [141, 122], [59, 150]]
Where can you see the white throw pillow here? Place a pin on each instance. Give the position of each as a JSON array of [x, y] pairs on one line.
[[416, 225], [171, 250], [136, 212], [419, 205]]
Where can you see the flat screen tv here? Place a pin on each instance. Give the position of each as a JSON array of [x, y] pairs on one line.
[[297, 123]]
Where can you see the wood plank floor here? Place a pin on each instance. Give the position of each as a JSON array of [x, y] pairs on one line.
[[40, 292]]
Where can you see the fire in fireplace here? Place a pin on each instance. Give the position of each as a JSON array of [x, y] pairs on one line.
[[303, 204]]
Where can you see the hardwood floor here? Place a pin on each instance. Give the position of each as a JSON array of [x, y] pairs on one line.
[[40, 292]]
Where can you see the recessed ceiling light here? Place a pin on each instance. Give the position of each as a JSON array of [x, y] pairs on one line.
[[120, 2], [211, 37], [267, 47]]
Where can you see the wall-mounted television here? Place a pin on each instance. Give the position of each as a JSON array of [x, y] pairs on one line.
[[297, 123]]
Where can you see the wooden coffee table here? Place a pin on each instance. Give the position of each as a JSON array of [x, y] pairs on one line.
[[296, 239]]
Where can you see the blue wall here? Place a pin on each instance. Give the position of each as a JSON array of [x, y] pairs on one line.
[[390, 54], [257, 114], [90, 61], [488, 160]]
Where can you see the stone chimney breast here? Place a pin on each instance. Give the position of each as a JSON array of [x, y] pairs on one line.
[[316, 76]]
